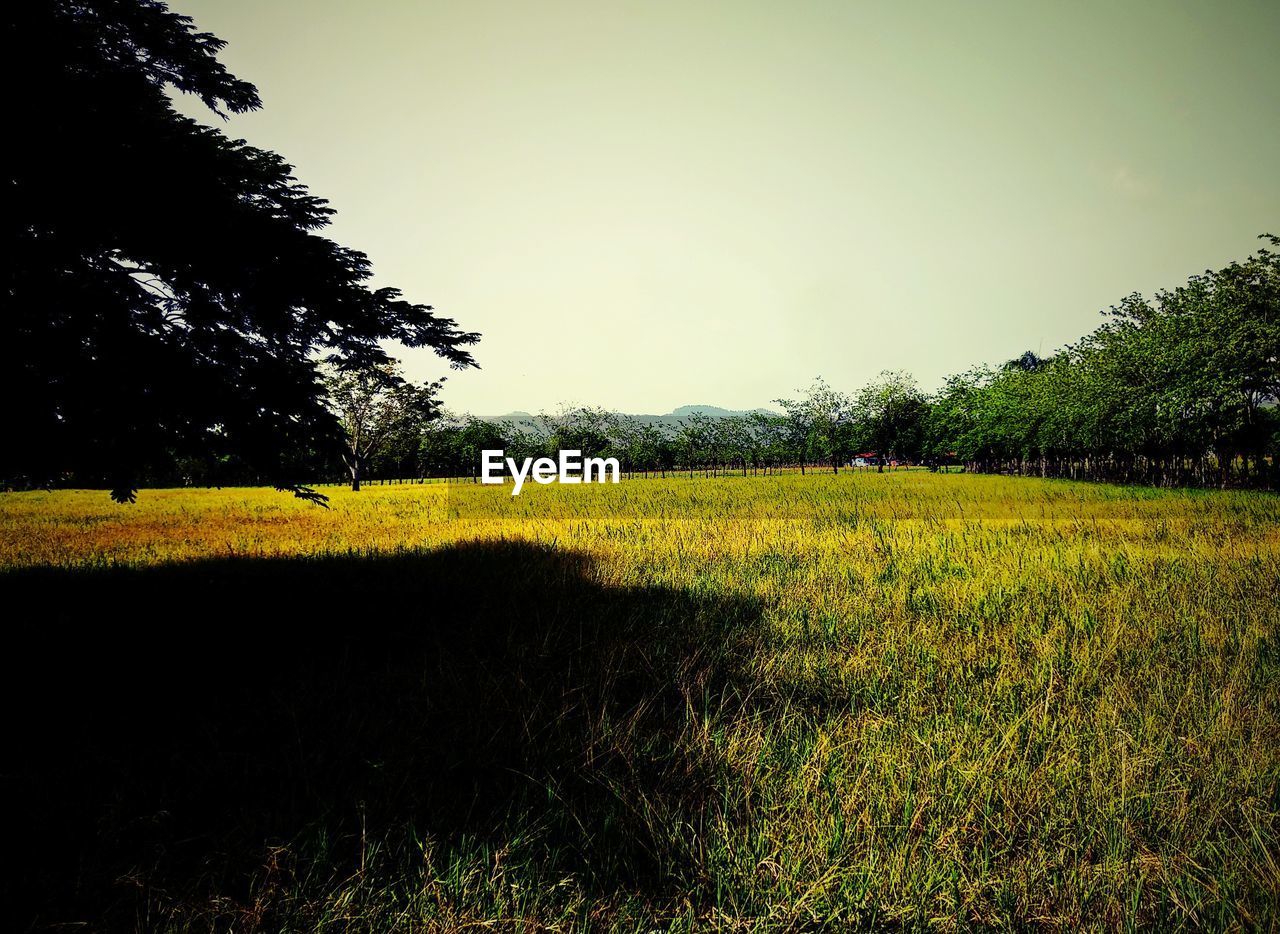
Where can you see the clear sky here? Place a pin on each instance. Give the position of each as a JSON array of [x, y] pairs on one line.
[[644, 205]]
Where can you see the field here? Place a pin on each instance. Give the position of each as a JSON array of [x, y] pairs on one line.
[[762, 703]]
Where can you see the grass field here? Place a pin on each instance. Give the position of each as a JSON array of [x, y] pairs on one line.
[[749, 703]]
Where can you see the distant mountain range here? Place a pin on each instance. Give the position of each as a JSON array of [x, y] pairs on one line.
[[671, 418]]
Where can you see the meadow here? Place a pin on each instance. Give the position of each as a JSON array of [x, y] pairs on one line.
[[860, 701]]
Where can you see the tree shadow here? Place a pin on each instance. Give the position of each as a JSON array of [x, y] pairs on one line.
[[168, 725]]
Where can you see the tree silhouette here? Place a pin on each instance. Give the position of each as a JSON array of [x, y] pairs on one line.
[[167, 292]]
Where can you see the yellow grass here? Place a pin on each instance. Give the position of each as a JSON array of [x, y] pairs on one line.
[[964, 699]]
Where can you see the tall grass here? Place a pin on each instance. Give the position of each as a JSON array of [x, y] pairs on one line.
[[749, 703]]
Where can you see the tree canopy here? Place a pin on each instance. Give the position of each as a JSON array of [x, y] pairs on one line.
[[1179, 389], [168, 292]]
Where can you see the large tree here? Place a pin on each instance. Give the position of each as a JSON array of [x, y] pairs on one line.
[[167, 291]]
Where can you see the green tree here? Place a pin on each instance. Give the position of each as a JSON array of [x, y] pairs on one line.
[[891, 413], [374, 405], [1176, 389], [820, 424]]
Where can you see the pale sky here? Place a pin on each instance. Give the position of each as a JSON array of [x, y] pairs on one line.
[[645, 205]]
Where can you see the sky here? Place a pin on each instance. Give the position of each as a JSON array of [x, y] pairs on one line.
[[647, 205]]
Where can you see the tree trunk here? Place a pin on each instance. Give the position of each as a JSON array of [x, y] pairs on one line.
[[356, 469]]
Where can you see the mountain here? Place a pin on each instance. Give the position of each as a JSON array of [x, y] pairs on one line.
[[713, 410], [671, 418]]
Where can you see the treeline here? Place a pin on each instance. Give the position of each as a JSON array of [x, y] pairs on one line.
[[821, 429], [1180, 389]]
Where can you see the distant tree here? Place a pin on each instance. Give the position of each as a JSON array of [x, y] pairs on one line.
[[693, 438], [475, 436], [373, 406], [438, 445], [519, 440], [820, 423], [167, 293], [737, 441], [891, 413], [769, 432], [952, 419], [654, 448], [1027, 362], [587, 429]]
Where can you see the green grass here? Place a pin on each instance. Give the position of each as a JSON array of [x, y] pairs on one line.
[[755, 703]]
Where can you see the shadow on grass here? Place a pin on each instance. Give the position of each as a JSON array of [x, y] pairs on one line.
[[168, 726]]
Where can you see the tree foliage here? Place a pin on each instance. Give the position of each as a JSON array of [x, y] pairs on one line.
[[819, 424], [891, 414], [1178, 389], [168, 292], [378, 409]]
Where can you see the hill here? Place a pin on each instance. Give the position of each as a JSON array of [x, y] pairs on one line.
[[675, 416]]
